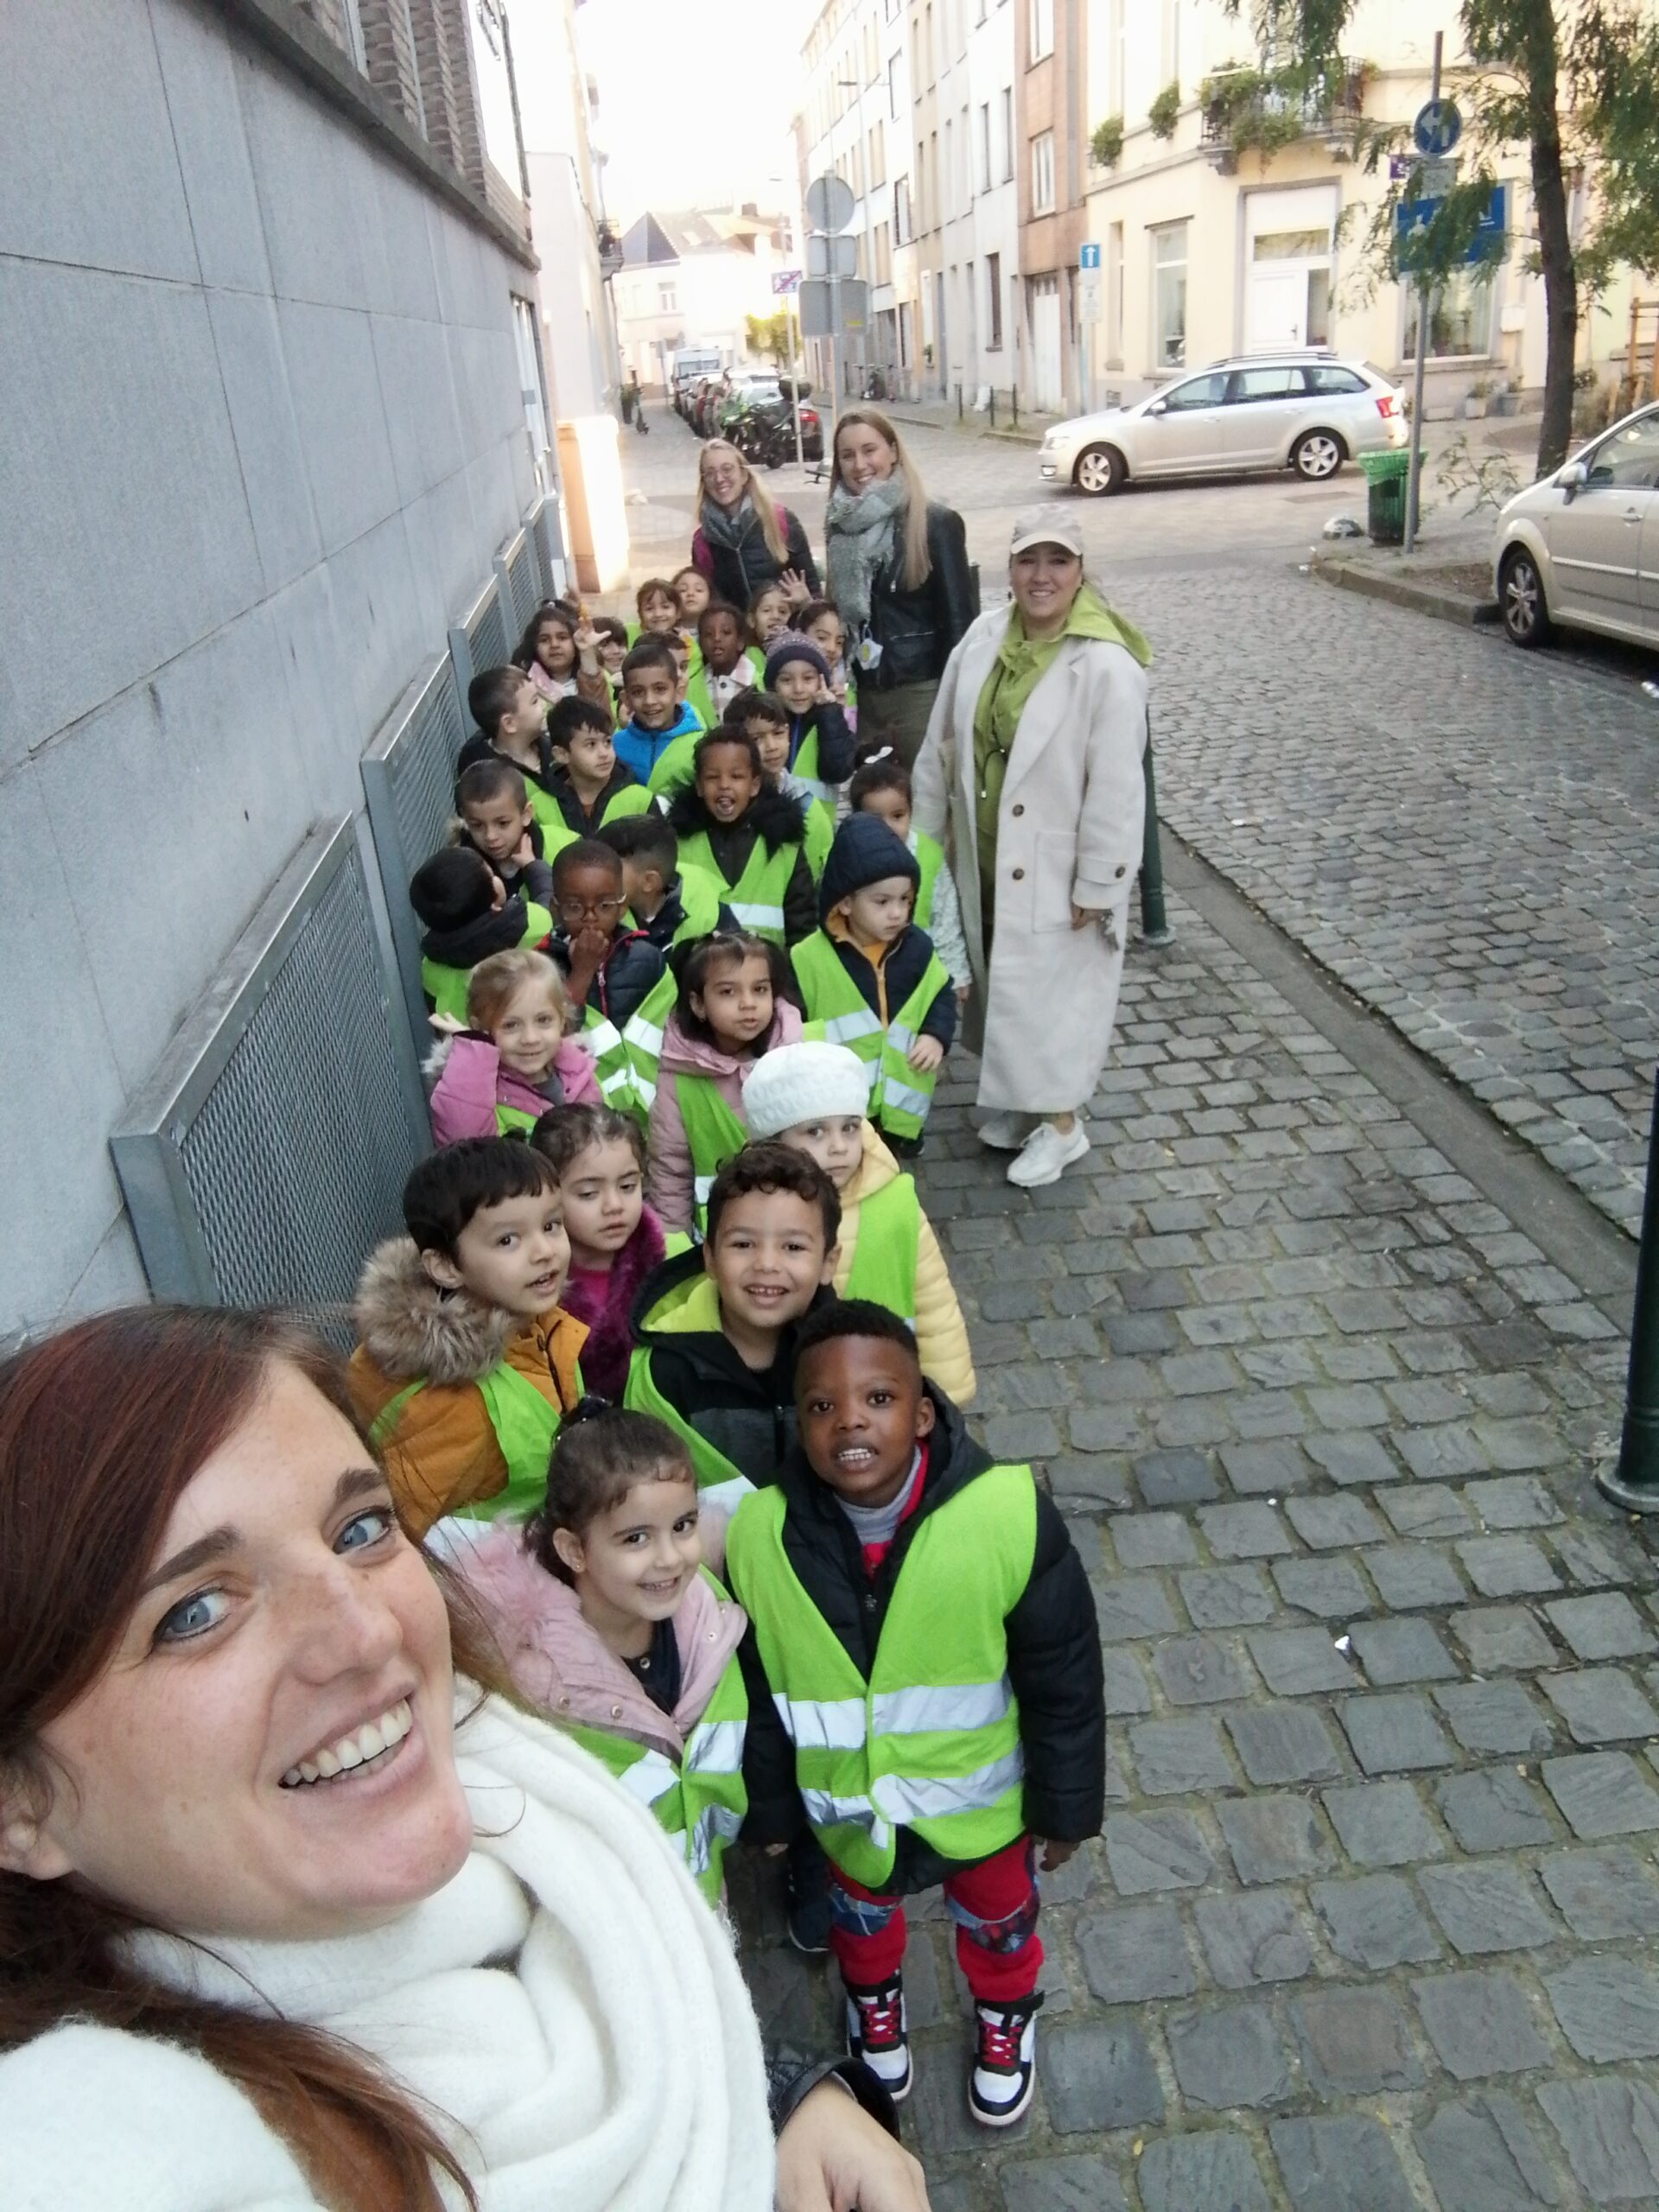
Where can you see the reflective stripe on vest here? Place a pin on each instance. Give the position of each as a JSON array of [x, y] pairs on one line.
[[643, 1040], [612, 1066], [508, 1118], [712, 1133], [906, 1093], [932, 1739], [888, 1245], [833, 999], [804, 768], [757, 898], [447, 986]]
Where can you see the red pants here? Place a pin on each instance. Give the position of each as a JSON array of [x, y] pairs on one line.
[[993, 1905]]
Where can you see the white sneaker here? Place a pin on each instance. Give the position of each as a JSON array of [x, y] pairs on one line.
[[1005, 2062], [1045, 1154], [878, 2032], [1005, 1132]]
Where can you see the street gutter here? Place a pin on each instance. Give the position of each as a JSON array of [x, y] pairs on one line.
[[1415, 590]]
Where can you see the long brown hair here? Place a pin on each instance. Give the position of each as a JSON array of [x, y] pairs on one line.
[[102, 1428], [765, 513], [917, 566]]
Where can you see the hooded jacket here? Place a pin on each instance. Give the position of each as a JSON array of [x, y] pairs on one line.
[[867, 850], [585, 822], [631, 970], [442, 1451], [501, 930], [643, 751], [665, 925], [604, 1305], [472, 1082], [941, 1332], [670, 1175], [1053, 1653], [772, 816], [737, 572]]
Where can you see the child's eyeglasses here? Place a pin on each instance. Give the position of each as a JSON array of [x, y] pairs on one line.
[[578, 910]]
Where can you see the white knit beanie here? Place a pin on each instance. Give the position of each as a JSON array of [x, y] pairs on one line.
[[803, 1083]]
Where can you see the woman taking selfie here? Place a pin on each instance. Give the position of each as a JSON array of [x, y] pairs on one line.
[[297, 1911]]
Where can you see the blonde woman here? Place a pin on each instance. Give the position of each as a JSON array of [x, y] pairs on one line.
[[898, 569], [743, 541]]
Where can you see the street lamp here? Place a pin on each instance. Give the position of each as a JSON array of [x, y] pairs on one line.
[[855, 83]]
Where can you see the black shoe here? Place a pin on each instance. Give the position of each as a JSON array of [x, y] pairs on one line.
[[806, 1893]]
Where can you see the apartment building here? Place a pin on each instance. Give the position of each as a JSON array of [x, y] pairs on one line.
[[1051, 55], [693, 276]]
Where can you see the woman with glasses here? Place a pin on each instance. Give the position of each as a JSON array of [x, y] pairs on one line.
[[743, 541]]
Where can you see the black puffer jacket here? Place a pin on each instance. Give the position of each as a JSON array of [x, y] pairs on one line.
[[776, 818], [918, 630], [1053, 1644], [737, 572]]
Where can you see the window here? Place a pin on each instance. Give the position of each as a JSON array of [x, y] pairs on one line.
[[878, 155], [1007, 134], [1042, 187], [1169, 296], [1328, 383], [1628, 461], [883, 254], [667, 300], [1114, 296], [1264, 384], [985, 147], [893, 89], [1198, 392], [947, 204], [1460, 317], [531, 391], [1040, 29], [994, 300], [902, 231]]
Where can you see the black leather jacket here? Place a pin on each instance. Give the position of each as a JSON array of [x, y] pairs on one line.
[[918, 630]]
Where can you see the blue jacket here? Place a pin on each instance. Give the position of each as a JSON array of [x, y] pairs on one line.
[[641, 749]]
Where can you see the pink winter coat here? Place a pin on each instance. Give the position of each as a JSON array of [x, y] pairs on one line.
[[560, 1665], [669, 1174], [474, 1083]]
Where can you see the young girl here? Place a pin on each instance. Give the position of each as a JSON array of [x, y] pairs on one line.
[[547, 652], [658, 608], [516, 1056], [768, 615], [818, 620], [692, 594], [610, 1625], [615, 1237], [732, 1010]]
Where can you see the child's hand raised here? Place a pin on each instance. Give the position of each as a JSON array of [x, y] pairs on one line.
[[925, 1054], [796, 589], [585, 638]]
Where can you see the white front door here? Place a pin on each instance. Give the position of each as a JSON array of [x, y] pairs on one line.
[[1046, 364], [1278, 308]]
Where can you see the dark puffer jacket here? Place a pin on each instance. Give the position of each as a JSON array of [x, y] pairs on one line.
[[1053, 1644], [737, 572], [918, 630]]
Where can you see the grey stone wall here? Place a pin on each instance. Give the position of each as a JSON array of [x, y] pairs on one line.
[[263, 432]]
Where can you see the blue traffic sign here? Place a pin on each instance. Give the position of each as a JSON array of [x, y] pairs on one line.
[[1088, 257], [1438, 128], [1412, 217]]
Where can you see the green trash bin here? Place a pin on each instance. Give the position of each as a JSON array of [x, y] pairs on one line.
[[1385, 512]]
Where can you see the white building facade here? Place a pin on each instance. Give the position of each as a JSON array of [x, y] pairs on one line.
[[692, 278]]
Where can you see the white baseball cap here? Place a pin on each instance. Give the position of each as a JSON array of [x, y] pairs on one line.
[[1049, 524]]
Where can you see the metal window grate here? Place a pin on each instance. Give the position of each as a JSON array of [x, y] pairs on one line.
[[544, 527], [409, 779], [268, 1151], [480, 640], [516, 573]]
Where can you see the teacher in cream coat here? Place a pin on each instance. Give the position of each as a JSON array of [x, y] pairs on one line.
[[1032, 779]]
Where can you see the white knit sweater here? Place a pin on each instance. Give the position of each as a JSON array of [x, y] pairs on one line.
[[611, 2064]]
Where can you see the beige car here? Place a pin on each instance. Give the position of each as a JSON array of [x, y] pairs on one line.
[[1582, 548]]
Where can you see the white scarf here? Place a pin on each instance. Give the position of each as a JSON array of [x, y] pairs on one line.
[[569, 2000]]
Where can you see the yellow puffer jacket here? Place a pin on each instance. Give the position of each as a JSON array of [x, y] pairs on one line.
[[941, 1332]]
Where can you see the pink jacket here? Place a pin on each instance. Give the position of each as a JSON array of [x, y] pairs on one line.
[[670, 1176], [559, 1664], [474, 1083]]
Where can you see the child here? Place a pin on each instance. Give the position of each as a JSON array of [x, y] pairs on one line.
[[691, 595], [658, 608], [466, 1361], [728, 665], [512, 718], [590, 786], [765, 718], [516, 1056], [611, 971], [655, 741], [715, 1328], [466, 915], [610, 1625], [883, 787], [769, 612], [812, 1096], [925, 1688], [820, 743], [611, 633], [547, 652], [818, 620], [668, 902], [498, 822], [616, 1239], [749, 837], [731, 1011], [873, 978]]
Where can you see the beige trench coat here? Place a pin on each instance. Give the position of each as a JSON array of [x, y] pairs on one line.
[[1069, 828]]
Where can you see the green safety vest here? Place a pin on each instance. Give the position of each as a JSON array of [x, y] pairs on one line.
[[642, 1040], [701, 897], [611, 1064], [700, 1801], [712, 1133], [820, 835], [675, 769], [932, 1740], [525, 1424], [900, 1094], [719, 1481], [805, 765], [447, 986], [700, 692], [889, 1239], [757, 898], [929, 858]]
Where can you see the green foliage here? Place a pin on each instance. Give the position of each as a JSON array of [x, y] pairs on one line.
[[1490, 478], [1616, 67], [1165, 110], [769, 334], [1106, 147]]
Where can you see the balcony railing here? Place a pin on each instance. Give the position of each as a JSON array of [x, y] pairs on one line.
[[1261, 109]]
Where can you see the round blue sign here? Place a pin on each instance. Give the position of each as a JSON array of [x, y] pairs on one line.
[[1437, 129]]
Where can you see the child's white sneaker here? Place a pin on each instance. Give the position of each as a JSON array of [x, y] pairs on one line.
[[1005, 1132], [1004, 2077], [877, 2033], [1045, 1154]]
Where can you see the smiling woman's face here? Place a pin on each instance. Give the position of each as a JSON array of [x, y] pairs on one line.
[[267, 1752], [722, 472]]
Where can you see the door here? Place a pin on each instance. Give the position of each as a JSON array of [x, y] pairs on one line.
[[1650, 571], [1187, 433], [1596, 537], [1045, 364], [1261, 406], [1278, 308]]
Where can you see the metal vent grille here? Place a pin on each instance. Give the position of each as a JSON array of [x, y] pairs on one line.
[[524, 584], [550, 557], [409, 779], [486, 633]]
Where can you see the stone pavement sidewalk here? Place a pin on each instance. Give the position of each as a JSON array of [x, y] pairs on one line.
[[1367, 1929]]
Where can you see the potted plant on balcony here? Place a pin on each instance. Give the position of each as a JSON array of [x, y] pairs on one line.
[[1106, 147], [1165, 111]]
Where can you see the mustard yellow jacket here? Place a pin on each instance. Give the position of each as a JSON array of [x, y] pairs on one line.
[[941, 1332]]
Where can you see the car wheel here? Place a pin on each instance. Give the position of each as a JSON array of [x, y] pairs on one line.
[[1099, 468], [1521, 598], [1318, 455]]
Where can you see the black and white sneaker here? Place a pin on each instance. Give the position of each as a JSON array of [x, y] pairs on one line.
[[876, 2033], [1005, 2065]]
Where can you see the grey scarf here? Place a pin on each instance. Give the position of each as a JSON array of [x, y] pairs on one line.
[[729, 527], [860, 537]]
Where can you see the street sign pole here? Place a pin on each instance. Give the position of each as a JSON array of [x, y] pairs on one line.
[[1413, 481], [793, 328]]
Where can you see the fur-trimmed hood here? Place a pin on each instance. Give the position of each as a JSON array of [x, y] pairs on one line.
[[772, 816], [410, 1327]]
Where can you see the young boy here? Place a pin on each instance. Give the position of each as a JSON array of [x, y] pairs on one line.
[[498, 822], [512, 718], [614, 973], [655, 741], [812, 1096], [883, 787], [820, 743], [748, 836], [670, 903], [715, 1327], [872, 978], [466, 914], [763, 716], [925, 1688], [590, 786], [466, 1362], [729, 666]]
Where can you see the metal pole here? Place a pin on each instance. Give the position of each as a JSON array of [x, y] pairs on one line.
[[1414, 478], [1154, 921], [1634, 1483], [793, 329]]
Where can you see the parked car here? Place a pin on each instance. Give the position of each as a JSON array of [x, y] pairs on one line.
[[766, 432], [1582, 548], [1307, 411], [743, 391]]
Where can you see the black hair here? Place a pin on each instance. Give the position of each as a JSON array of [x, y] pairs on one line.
[[720, 607], [574, 714], [813, 611], [453, 888], [612, 626], [887, 772], [653, 650], [725, 734], [449, 1186], [647, 837], [564, 1133], [585, 852], [693, 960], [491, 695], [756, 705], [488, 779], [853, 1317], [550, 610], [599, 1455], [771, 1166]]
